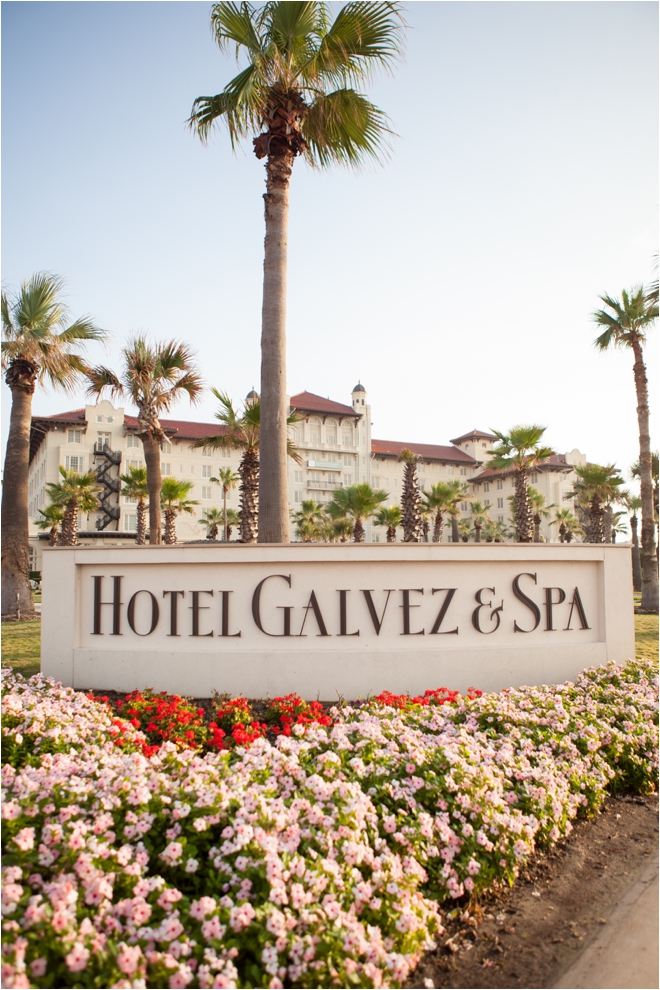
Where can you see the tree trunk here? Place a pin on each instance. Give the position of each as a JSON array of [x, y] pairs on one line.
[[52, 539], [596, 527], [273, 486], [425, 530], [562, 532], [648, 557], [437, 527], [224, 509], [250, 471], [636, 563], [69, 535], [410, 517], [15, 527], [229, 529], [537, 529], [391, 534], [170, 526], [140, 538], [477, 533], [358, 531], [608, 515], [455, 535], [524, 523], [154, 484]]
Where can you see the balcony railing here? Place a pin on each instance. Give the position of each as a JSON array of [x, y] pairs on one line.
[[326, 465], [321, 485]]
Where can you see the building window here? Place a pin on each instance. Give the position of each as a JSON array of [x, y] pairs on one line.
[[297, 496], [486, 486], [500, 519], [487, 503], [166, 447], [207, 452], [298, 477], [347, 440], [129, 501], [375, 482], [207, 470], [314, 437], [75, 463], [99, 419], [348, 460], [73, 436], [132, 441], [348, 479], [102, 440], [500, 503], [206, 493], [130, 522], [331, 438], [463, 470], [165, 468], [226, 452], [483, 445], [500, 484], [135, 464], [534, 477], [192, 468], [464, 506], [450, 469]]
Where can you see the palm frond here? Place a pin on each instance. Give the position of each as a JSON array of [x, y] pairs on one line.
[[344, 128], [234, 23], [102, 378], [363, 37]]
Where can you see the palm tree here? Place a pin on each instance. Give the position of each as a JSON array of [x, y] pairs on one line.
[[463, 526], [212, 519], [617, 525], [39, 347], [233, 521], [308, 520], [340, 527], [480, 516], [51, 519], [564, 519], [597, 486], [443, 499], [389, 516], [633, 504], [135, 486], [296, 97], [539, 509], [634, 473], [154, 376], [75, 493], [411, 519], [174, 500], [359, 502], [228, 478], [521, 450], [243, 432], [625, 324]]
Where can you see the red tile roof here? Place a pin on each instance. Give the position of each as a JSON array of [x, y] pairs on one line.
[[308, 402], [182, 429], [428, 451], [475, 434]]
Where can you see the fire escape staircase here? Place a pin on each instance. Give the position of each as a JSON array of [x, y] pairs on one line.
[[110, 486]]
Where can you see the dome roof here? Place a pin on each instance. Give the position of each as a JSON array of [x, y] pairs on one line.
[[252, 394], [359, 388]]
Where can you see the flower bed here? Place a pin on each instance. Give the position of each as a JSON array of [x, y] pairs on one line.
[[320, 860]]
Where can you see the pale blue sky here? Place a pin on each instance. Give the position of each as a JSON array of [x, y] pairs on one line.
[[456, 282]]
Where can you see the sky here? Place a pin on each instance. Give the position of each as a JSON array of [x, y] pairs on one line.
[[456, 280]]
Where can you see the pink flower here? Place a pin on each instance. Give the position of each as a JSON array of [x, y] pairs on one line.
[[11, 810], [213, 929], [25, 839], [77, 959], [128, 958], [172, 854], [181, 978], [38, 966]]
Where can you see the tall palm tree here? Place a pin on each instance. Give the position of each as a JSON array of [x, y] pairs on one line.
[[521, 449], [51, 519], [597, 486], [174, 500], [243, 432], [295, 97], [625, 323], [479, 518], [75, 493], [618, 526], [213, 519], [655, 465], [359, 502], [228, 478], [442, 500], [153, 377], [135, 486], [633, 504], [390, 517], [39, 347], [411, 519]]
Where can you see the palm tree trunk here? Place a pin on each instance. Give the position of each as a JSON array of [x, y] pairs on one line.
[[391, 534], [273, 487], [358, 531], [170, 527], [154, 484], [562, 533], [524, 524], [636, 563], [648, 557], [477, 533], [437, 527], [596, 527], [224, 509], [537, 529], [141, 523], [52, 539], [455, 535], [249, 470], [15, 527], [69, 534]]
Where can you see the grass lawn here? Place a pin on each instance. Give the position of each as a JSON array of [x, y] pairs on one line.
[[21, 642]]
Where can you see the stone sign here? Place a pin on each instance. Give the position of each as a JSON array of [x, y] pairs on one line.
[[332, 620]]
